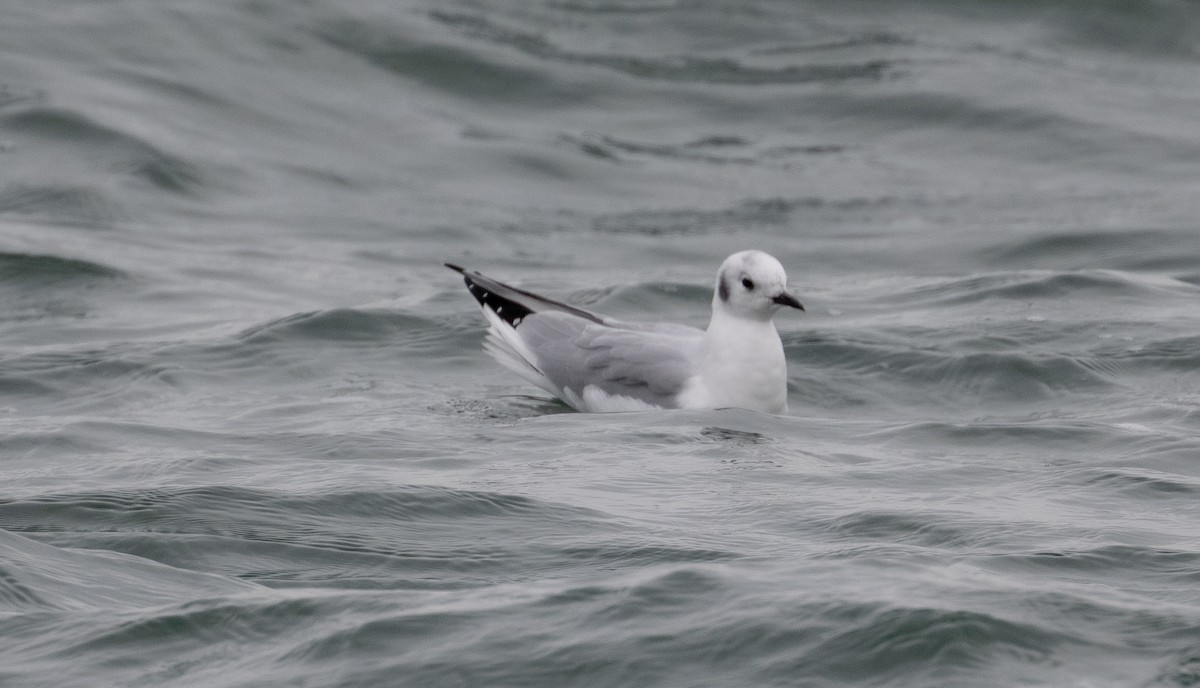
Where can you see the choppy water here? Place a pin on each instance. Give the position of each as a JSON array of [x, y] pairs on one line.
[[248, 438]]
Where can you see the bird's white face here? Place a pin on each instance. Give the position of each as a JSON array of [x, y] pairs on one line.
[[752, 284]]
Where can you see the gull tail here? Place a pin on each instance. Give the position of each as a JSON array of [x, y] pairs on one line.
[[505, 308]]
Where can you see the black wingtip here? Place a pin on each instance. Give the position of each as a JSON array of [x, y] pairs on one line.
[[513, 304], [506, 308]]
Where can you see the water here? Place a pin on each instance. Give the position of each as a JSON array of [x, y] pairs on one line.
[[248, 437]]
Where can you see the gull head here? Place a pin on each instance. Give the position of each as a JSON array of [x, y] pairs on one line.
[[752, 285]]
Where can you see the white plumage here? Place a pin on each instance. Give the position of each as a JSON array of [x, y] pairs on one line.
[[595, 363]]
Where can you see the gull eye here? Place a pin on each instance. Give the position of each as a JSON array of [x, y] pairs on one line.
[[748, 283]]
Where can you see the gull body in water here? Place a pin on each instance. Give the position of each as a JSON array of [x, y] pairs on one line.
[[596, 363]]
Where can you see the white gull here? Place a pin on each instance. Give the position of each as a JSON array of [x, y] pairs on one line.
[[596, 363]]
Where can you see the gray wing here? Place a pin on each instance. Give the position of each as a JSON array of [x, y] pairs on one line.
[[650, 364]]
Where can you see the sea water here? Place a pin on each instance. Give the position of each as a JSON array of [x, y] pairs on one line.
[[248, 436]]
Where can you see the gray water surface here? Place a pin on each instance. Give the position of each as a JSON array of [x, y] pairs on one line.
[[248, 436]]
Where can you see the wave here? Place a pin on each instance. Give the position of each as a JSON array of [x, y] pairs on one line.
[[40, 577], [847, 371], [27, 270], [522, 71], [338, 325], [683, 68], [74, 204], [1131, 250], [122, 152], [1030, 286], [405, 538]]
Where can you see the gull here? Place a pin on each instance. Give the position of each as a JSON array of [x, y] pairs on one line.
[[596, 363]]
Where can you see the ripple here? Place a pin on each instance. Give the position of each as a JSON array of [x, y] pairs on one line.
[[1184, 673], [38, 287], [123, 152], [744, 216], [678, 68], [198, 625], [449, 68], [87, 378], [867, 39], [74, 204], [420, 537], [413, 503], [1180, 354], [1148, 483], [1160, 565], [67, 579], [1025, 286], [41, 270], [712, 150], [337, 325], [913, 641], [477, 72], [944, 376], [926, 530], [1129, 249], [684, 69], [645, 555]]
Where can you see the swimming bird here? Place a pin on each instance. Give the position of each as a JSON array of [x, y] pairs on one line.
[[596, 363]]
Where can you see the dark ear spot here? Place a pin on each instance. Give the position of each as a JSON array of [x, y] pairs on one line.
[[723, 288]]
